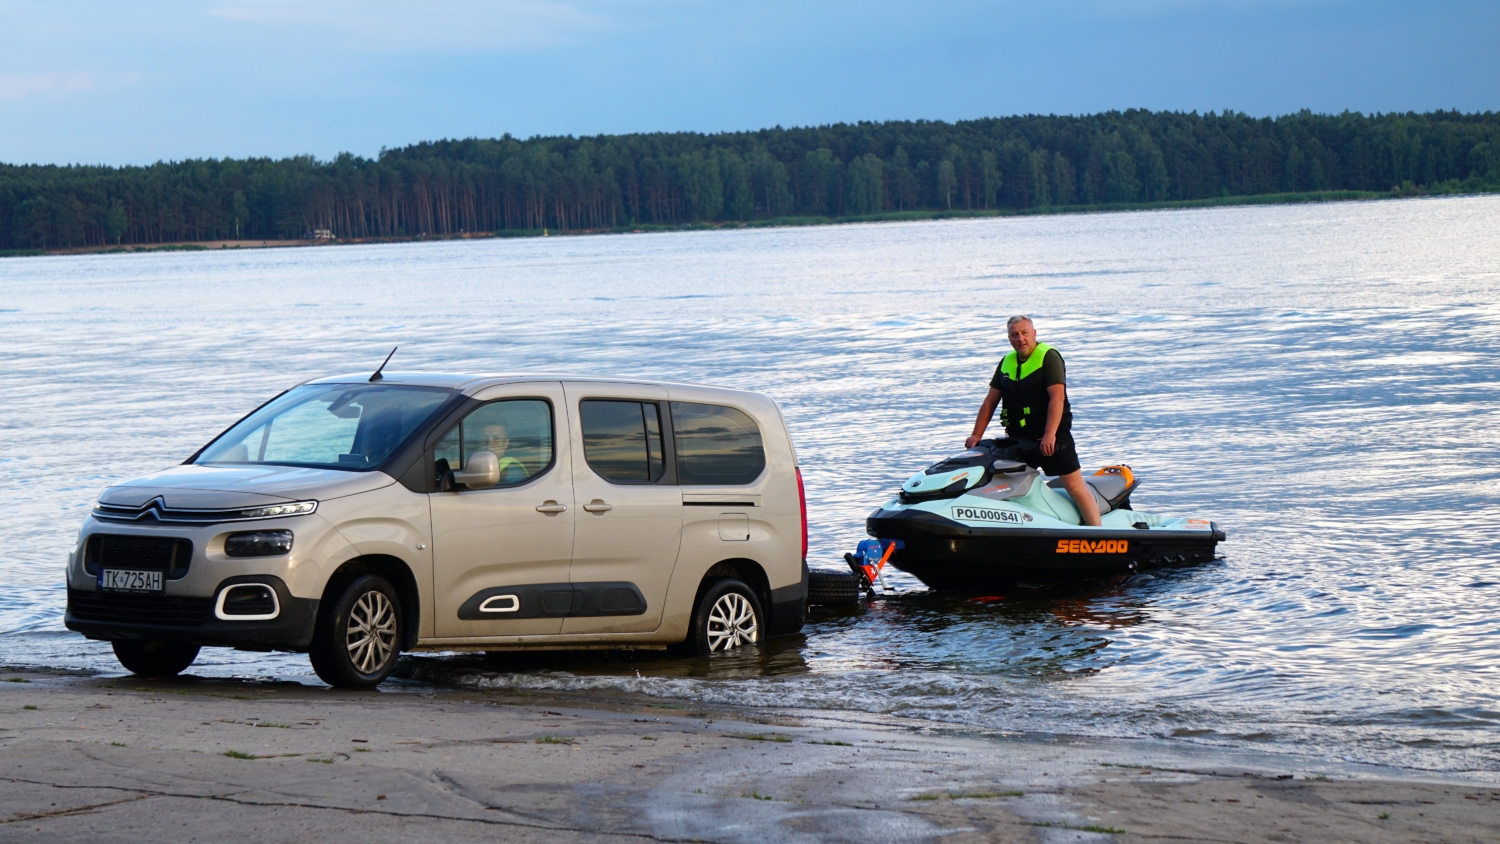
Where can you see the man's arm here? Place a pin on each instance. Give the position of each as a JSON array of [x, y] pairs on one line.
[[1056, 395], [987, 412]]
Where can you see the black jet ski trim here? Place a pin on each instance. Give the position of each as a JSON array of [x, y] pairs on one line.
[[983, 520]]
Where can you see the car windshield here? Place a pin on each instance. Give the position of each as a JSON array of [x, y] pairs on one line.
[[334, 426]]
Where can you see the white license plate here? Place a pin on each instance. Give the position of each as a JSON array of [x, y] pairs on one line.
[[120, 580], [986, 514]]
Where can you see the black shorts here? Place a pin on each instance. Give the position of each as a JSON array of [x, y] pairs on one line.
[[1064, 459]]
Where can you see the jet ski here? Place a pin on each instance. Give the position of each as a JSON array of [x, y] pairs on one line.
[[986, 520]]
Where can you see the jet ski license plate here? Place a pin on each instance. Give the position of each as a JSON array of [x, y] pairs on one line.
[[985, 514], [123, 580]]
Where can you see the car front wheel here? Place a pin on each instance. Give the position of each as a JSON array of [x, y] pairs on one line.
[[359, 636]]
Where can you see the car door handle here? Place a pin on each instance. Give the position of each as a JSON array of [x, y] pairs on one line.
[[597, 506], [551, 507]]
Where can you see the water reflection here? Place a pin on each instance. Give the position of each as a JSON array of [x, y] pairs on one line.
[[1058, 632], [782, 656]]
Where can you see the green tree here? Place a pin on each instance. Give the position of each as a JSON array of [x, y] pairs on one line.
[[947, 183], [1296, 168], [702, 190], [116, 221], [963, 175], [739, 201], [36, 223], [241, 212], [1041, 194], [1120, 182], [875, 168], [989, 179], [1484, 162], [771, 175], [1064, 185], [1156, 183], [865, 182], [902, 182], [820, 173]]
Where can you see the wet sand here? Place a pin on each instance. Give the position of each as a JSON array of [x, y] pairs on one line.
[[126, 759]]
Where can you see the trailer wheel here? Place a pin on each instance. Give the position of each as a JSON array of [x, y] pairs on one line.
[[831, 588]]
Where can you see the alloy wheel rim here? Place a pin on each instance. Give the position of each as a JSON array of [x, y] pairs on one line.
[[371, 637], [731, 623]]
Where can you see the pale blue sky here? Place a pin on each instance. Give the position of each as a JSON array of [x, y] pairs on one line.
[[135, 82]]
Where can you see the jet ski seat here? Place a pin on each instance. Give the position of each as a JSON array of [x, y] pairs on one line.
[[1111, 486]]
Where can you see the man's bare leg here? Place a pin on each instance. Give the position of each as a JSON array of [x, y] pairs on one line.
[[1083, 497]]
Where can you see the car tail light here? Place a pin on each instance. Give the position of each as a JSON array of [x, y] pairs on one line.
[[802, 503]]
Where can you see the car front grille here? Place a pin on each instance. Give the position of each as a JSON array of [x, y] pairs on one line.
[[158, 610], [151, 553]]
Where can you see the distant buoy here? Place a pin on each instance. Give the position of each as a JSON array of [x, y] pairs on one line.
[[544, 232]]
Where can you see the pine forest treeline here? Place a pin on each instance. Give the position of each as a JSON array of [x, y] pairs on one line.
[[844, 170]]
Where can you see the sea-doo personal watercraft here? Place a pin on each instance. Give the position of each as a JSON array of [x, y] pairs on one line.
[[985, 520]]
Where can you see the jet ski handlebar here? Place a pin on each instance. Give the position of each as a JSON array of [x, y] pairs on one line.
[[1012, 450]]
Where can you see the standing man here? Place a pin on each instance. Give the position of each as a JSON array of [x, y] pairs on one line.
[[1030, 385]]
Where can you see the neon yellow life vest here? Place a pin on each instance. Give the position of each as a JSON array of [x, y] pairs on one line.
[[1024, 398], [511, 461]]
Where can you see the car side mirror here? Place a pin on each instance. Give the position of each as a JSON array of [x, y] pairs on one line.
[[482, 470]]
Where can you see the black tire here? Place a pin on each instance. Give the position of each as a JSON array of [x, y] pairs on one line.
[[831, 588], [720, 621], [154, 659], [343, 652]]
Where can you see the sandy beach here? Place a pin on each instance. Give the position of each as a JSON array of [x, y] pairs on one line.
[[122, 758]]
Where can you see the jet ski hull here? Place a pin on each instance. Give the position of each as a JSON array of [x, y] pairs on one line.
[[950, 555]]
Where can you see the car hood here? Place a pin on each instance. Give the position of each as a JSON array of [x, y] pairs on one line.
[[225, 487]]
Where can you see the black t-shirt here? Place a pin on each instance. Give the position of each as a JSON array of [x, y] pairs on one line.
[[1054, 371]]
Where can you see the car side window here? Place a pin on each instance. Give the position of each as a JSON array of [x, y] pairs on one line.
[[622, 440], [716, 445], [518, 431]]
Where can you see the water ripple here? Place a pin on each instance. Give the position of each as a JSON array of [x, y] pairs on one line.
[[1322, 380]]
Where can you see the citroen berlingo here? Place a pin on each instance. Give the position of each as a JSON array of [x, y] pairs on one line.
[[357, 517]]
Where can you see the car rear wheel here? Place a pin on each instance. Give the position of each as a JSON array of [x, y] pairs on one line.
[[728, 616], [359, 636], [154, 659]]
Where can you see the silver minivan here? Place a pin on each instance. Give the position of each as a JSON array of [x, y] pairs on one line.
[[356, 517]]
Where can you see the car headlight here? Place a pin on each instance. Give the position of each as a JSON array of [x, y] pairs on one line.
[[259, 543], [296, 508]]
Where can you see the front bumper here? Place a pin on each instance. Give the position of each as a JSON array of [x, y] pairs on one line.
[[191, 620]]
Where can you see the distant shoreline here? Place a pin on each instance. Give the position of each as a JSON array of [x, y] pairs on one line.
[[776, 222], [832, 173]]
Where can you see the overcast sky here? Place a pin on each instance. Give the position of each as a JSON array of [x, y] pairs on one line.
[[135, 82]]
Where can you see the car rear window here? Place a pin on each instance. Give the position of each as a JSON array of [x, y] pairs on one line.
[[716, 445], [622, 440]]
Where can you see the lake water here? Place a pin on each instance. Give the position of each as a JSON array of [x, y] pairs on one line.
[[1321, 380]]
